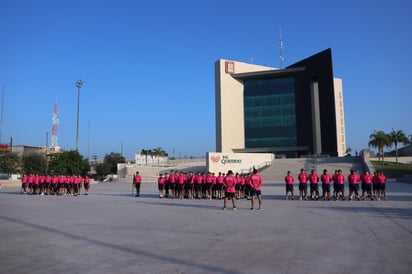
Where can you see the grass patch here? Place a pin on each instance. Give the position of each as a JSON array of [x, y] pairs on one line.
[[393, 170]]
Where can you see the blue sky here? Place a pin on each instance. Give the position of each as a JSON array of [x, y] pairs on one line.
[[148, 66]]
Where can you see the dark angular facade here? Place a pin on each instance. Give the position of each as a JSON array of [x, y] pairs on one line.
[[278, 108]]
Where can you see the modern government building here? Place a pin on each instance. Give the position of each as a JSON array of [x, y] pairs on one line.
[[293, 112]]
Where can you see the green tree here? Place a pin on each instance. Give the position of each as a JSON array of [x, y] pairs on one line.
[[159, 152], [397, 137], [34, 163], [102, 169], [112, 159], [10, 163], [379, 139], [69, 163], [146, 152]]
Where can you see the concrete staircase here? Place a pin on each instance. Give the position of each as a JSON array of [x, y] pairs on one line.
[[277, 171]]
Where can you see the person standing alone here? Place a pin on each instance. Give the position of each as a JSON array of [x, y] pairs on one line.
[[255, 183], [137, 179]]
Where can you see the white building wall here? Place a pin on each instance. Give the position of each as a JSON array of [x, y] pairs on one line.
[[230, 133], [340, 117]]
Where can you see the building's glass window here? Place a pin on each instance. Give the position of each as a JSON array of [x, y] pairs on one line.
[[270, 114]]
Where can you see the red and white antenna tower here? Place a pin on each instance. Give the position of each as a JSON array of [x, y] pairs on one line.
[[55, 123]]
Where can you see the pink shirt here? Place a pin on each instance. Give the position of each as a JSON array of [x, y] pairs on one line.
[[303, 177], [199, 179], [326, 178], [366, 179], [181, 179], [289, 179], [255, 181], [353, 179], [230, 182], [340, 179], [137, 179], [314, 178], [172, 178]]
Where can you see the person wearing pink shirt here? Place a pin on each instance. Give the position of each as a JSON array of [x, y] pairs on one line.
[[47, 184], [24, 183], [242, 182], [54, 185], [172, 184], [167, 186], [230, 191], [314, 187], [255, 183], [190, 185], [353, 179], [237, 187], [36, 184], [76, 185], [41, 184], [86, 185], [198, 185], [209, 185], [219, 185], [161, 185], [303, 186], [69, 185], [366, 180], [180, 184], [62, 185], [381, 186], [137, 180], [31, 183], [340, 186], [289, 180], [326, 179]]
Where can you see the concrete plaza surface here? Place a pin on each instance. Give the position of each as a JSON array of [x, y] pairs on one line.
[[109, 231]]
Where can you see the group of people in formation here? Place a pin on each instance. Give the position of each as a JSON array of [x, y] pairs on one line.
[[229, 186], [372, 186], [61, 185]]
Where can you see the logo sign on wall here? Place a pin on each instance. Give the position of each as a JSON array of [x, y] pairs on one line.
[[225, 160]]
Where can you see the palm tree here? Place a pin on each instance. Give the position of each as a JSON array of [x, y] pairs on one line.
[[159, 152], [396, 137], [146, 152], [379, 139]]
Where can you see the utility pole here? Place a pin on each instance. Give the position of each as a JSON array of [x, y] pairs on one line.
[[79, 84]]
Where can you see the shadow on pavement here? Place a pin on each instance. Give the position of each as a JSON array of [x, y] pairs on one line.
[[137, 252]]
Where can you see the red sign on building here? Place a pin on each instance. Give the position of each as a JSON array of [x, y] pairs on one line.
[[230, 67]]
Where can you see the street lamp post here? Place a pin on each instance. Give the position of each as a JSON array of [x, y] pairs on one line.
[[79, 84]]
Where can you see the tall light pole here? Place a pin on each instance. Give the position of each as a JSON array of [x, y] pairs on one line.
[[79, 84]]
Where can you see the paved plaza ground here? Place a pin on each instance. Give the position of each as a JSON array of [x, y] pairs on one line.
[[109, 231]]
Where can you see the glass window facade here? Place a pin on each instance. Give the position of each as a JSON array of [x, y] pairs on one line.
[[270, 114]]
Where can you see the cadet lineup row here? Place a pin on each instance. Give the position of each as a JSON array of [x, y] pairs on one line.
[[372, 186], [59, 185]]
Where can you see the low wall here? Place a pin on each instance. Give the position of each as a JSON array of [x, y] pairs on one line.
[[403, 160]]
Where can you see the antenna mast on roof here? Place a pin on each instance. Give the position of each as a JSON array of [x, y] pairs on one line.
[[2, 110], [281, 49]]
